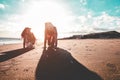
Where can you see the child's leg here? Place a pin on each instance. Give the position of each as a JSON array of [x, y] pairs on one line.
[[24, 43]]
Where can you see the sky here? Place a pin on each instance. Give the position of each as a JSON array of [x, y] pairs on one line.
[[69, 16]]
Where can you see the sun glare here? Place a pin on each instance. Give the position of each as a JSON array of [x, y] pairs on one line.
[[39, 12]]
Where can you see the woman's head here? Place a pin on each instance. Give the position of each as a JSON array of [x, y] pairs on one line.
[[25, 31]]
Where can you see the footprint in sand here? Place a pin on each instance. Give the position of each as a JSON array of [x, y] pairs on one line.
[[117, 53], [88, 50], [111, 67], [25, 70], [69, 48], [15, 69]]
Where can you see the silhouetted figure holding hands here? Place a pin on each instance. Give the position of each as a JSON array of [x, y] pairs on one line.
[[50, 35], [28, 38]]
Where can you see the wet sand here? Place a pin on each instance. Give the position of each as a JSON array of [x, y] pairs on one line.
[[73, 60]]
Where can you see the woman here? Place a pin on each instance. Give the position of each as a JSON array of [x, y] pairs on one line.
[[28, 38]]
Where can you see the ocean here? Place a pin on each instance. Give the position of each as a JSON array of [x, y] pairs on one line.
[[4, 41]]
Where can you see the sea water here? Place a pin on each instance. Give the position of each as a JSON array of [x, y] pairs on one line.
[[4, 41]]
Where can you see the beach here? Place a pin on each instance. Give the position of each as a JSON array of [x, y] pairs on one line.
[[74, 59]]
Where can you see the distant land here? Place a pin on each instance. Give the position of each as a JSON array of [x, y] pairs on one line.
[[100, 35]]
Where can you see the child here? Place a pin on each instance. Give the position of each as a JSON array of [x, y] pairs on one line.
[[28, 38]]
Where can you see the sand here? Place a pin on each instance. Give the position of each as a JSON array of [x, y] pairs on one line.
[[93, 59]]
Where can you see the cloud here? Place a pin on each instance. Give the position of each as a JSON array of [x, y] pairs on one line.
[[23, 0], [117, 9], [83, 2], [89, 23], [2, 6], [106, 22]]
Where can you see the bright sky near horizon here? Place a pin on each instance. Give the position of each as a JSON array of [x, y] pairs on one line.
[[69, 16]]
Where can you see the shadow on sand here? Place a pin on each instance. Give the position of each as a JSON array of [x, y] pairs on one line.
[[60, 65], [13, 53]]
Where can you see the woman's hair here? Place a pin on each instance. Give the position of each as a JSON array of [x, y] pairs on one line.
[[24, 31]]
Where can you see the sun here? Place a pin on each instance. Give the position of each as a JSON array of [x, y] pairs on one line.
[[40, 11]]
